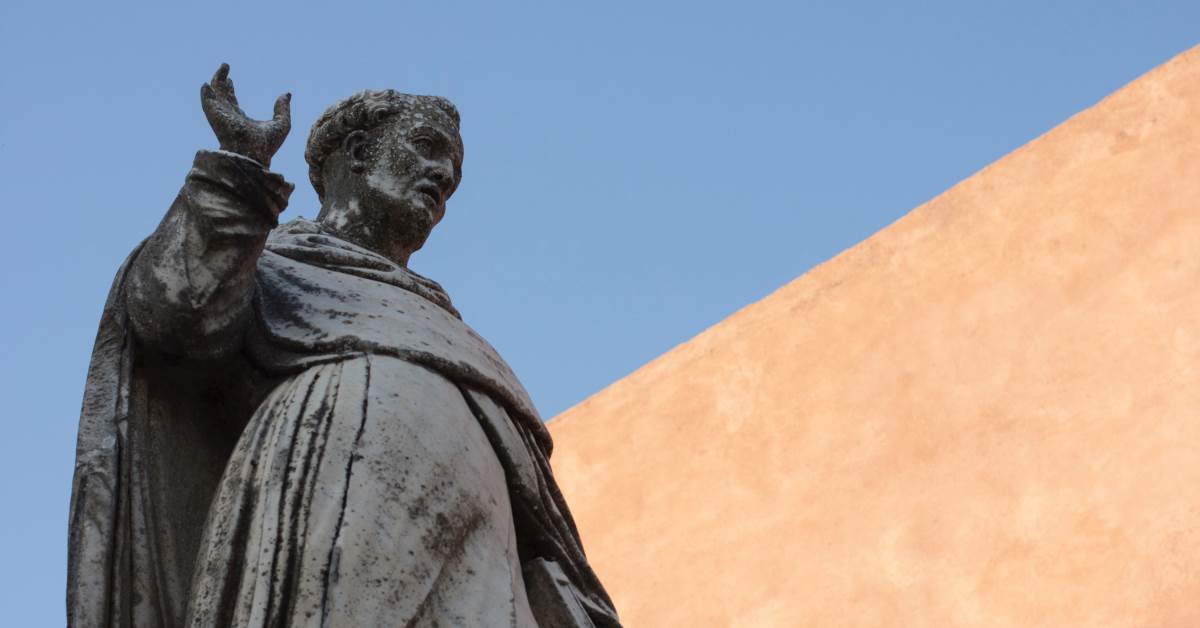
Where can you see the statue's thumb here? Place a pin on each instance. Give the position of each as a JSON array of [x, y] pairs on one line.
[[283, 108]]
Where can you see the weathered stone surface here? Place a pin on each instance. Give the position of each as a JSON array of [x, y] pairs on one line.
[[553, 599], [284, 426], [987, 414]]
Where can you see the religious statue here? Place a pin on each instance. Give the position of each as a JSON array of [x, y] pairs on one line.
[[285, 426]]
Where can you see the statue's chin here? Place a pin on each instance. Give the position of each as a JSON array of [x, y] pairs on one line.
[[412, 226], [403, 238]]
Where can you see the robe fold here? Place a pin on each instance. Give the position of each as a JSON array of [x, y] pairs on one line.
[[281, 428]]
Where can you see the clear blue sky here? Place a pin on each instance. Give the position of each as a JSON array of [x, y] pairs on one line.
[[635, 172]]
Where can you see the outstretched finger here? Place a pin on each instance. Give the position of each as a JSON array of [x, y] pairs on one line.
[[221, 74], [223, 85], [206, 97], [283, 110], [213, 100]]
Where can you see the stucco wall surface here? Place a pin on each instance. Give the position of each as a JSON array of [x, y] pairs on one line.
[[987, 414]]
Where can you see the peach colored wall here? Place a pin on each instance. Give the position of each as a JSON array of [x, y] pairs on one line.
[[987, 414]]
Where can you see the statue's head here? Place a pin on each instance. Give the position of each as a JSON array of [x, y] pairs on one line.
[[384, 164]]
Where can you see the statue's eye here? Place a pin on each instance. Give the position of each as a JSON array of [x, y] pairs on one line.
[[423, 144]]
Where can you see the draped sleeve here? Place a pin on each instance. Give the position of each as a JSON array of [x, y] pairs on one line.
[[155, 432], [190, 288]]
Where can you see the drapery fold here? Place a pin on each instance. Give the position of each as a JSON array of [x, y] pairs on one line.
[[156, 433]]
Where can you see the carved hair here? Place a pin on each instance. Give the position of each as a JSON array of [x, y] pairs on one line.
[[365, 111]]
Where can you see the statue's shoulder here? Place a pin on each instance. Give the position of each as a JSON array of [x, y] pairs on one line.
[[303, 247], [295, 227]]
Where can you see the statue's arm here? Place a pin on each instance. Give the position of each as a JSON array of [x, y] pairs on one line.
[[189, 290]]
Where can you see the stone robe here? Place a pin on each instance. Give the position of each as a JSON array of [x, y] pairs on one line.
[[281, 428]]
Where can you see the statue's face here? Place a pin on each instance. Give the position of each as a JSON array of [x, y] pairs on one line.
[[408, 173]]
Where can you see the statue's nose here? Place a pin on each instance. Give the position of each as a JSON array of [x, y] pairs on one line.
[[440, 174]]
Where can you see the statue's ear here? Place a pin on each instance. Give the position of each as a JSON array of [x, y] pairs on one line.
[[355, 147]]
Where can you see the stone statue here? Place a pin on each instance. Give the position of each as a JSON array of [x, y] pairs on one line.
[[285, 426]]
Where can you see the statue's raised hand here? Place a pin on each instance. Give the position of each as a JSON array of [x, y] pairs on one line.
[[237, 133]]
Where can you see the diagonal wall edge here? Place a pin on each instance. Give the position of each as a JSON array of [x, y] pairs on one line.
[[985, 414]]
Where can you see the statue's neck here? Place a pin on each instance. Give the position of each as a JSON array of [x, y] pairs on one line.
[[348, 221]]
